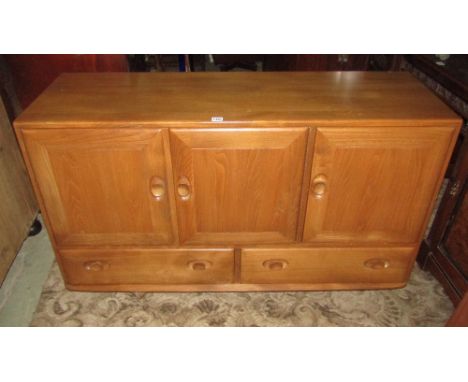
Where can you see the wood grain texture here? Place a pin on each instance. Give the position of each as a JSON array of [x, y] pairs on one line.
[[325, 265], [231, 287], [168, 266], [374, 185], [435, 266], [456, 241], [321, 62], [245, 185], [460, 316], [18, 205], [450, 271], [135, 180], [95, 185], [33, 73], [242, 99]]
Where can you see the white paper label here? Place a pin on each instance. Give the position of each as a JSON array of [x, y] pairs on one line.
[[217, 119]]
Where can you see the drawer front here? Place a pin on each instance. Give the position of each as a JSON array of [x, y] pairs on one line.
[[170, 266], [326, 265]]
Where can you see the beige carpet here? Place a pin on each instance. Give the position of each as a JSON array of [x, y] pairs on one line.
[[421, 303]]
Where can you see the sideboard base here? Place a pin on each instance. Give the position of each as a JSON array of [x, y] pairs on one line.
[[231, 287]]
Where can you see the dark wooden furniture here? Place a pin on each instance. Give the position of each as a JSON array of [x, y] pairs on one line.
[[334, 62], [385, 62], [460, 316], [227, 62], [237, 181], [18, 204], [7, 91], [451, 73], [316, 62], [444, 252], [32, 73]]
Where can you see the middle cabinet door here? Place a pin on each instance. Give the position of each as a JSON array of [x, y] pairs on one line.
[[238, 186]]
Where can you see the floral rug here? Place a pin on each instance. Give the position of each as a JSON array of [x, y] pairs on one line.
[[421, 303]]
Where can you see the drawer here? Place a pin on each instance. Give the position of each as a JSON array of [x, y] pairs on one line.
[[326, 265], [171, 266]]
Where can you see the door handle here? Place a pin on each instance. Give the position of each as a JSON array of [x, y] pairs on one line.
[[96, 266], [319, 186], [157, 188], [184, 189], [377, 263]]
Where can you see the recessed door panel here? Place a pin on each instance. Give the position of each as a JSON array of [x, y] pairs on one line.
[[103, 187], [238, 185], [374, 184]]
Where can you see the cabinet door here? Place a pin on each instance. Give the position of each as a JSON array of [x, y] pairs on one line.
[[374, 184], [238, 185], [104, 186]]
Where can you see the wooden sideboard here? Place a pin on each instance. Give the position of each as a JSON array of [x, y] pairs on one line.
[[236, 181]]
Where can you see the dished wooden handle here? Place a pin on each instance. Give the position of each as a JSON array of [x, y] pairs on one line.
[[184, 188], [319, 186], [96, 265], [377, 263], [157, 187], [199, 265], [275, 264]]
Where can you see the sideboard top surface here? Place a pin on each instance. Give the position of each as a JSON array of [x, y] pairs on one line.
[[240, 98]]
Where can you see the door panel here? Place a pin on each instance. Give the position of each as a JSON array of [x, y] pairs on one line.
[[103, 187], [374, 184], [238, 185]]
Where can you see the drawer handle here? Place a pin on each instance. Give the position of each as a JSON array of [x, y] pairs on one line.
[[319, 186], [183, 188], [96, 266], [275, 265], [157, 187], [377, 263], [199, 265]]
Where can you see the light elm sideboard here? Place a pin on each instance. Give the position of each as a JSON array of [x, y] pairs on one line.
[[236, 181]]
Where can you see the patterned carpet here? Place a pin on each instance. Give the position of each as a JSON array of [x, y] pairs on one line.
[[421, 303]]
